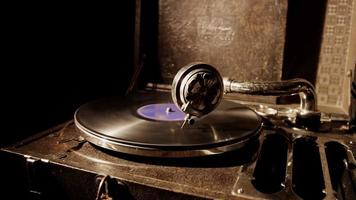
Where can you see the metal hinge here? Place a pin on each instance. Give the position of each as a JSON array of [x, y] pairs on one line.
[[33, 177]]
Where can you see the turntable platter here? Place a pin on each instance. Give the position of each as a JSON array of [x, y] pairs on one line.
[[149, 124]]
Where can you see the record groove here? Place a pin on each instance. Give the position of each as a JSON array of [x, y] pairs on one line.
[[115, 124]]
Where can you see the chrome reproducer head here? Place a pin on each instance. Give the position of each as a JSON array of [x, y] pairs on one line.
[[197, 89]]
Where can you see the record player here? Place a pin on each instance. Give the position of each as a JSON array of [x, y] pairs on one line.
[[198, 121]]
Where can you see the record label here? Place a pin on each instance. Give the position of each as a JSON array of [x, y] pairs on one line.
[[161, 112]]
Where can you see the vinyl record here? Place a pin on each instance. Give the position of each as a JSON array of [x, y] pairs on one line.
[[149, 124]]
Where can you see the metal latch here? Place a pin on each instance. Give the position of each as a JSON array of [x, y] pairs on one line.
[[111, 189], [33, 177]]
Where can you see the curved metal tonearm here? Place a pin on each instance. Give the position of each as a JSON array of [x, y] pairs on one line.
[[305, 89], [198, 88]]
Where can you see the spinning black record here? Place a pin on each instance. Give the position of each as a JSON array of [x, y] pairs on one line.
[[149, 124]]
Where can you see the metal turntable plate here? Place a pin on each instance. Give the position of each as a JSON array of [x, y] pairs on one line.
[[115, 124]]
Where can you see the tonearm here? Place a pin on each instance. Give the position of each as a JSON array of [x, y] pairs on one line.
[[198, 89]]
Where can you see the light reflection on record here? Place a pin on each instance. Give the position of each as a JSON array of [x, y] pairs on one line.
[[142, 120]]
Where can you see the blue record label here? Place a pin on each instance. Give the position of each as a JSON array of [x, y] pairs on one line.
[[161, 112]]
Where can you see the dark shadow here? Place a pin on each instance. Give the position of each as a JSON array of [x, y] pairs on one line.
[[343, 183], [61, 56], [270, 171], [148, 55], [305, 22], [307, 173]]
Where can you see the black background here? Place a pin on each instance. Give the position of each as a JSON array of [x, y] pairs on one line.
[[57, 56]]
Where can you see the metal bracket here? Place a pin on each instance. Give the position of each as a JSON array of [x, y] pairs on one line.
[[111, 189], [33, 178]]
